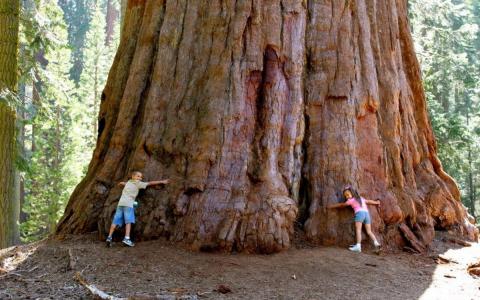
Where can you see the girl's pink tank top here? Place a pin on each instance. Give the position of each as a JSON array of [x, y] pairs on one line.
[[356, 207]]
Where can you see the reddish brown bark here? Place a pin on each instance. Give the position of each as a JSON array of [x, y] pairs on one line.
[[259, 112]]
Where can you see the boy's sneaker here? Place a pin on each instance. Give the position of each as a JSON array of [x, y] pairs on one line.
[[378, 248], [109, 241], [355, 248], [128, 242]]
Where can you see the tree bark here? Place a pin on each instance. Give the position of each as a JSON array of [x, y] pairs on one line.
[[260, 112], [123, 10], [9, 198]]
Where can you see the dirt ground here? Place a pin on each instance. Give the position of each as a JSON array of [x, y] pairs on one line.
[[159, 270]]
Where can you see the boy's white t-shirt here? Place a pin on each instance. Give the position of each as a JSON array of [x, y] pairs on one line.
[[130, 192]]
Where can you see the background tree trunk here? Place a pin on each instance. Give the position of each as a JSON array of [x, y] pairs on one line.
[[112, 18], [9, 183], [260, 112], [21, 141]]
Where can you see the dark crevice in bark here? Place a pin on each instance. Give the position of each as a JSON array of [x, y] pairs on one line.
[[146, 150], [247, 28], [337, 98], [304, 202], [180, 39], [192, 190], [305, 194], [101, 127], [253, 119], [258, 126]]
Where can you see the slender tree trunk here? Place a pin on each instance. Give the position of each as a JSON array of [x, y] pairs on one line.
[[9, 206], [471, 186], [21, 140], [36, 93], [56, 167], [112, 18], [257, 108], [37, 102], [95, 102]]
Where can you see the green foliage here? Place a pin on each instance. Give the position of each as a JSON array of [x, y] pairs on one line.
[[77, 16], [49, 179], [447, 40], [58, 115], [97, 63]]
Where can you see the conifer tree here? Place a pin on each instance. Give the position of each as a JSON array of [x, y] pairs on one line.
[[98, 59], [446, 34], [51, 173]]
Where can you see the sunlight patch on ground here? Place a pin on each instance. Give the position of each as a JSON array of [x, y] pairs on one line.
[[454, 276], [18, 255]]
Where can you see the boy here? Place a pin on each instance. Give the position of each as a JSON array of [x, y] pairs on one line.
[[125, 212]]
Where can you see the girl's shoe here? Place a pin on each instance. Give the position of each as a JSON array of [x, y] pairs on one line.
[[128, 242], [378, 247], [355, 248], [109, 241]]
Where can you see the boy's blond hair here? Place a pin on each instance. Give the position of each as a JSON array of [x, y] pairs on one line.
[[135, 173]]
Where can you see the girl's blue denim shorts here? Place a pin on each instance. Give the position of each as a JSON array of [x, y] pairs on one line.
[[363, 217], [124, 215]]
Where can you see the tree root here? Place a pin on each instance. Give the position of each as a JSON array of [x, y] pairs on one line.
[[412, 239], [457, 241]]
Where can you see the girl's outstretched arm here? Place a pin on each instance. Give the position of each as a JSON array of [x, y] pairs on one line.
[[337, 205], [373, 202]]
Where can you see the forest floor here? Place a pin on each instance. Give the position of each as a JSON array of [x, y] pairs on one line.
[[53, 269]]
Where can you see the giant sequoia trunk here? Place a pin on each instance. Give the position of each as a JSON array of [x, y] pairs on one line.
[[259, 112]]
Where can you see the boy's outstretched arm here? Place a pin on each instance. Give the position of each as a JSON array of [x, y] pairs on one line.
[[122, 183], [165, 181]]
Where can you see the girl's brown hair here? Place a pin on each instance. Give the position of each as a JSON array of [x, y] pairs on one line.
[[354, 192]]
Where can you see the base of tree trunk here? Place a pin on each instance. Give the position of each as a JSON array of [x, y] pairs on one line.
[[260, 112]]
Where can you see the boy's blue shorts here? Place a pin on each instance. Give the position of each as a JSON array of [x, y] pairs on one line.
[[363, 217], [124, 215]]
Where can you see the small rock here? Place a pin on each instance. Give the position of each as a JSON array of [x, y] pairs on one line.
[[224, 289], [294, 277]]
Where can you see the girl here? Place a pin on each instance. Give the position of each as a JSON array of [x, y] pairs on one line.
[[362, 215]]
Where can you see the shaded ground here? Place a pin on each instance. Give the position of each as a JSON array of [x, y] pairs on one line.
[[46, 270]]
